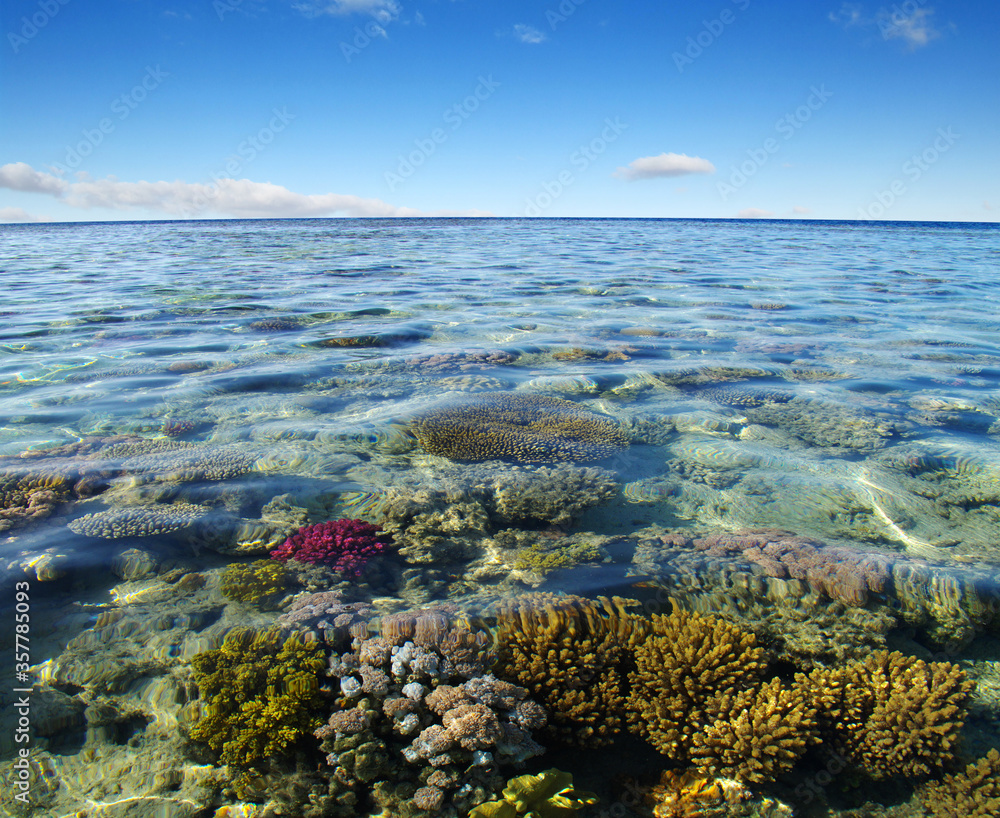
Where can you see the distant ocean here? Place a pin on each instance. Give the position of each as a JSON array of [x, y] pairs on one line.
[[188, 393]]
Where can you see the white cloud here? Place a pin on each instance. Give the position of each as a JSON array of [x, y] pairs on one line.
[[915, 30], [754, 213], [16, 214], [240, 198], [21, 176], [798, 209], [529, 34], [913, 27], [666, 164], [385, 11]]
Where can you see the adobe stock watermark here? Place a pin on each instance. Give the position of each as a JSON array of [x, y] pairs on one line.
[[913, 169], [711, 30], [30, 26], [454, 117], [901, 18], [561, 13], [122, 107], [581, 159], [786, 128], [246, 151], [224, 7], [364, 37]]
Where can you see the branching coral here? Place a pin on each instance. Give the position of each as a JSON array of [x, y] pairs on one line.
[[893, 715], [524, 428], [755, 734], [687, 661], [344, 545], [261, 693], [567, 651], [974, 793], [257, 583], [553, 495]]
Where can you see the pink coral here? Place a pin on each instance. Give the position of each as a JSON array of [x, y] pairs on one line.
[[344, 545]]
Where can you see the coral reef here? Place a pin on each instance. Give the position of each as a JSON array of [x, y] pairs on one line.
[[338, 622], [974, 793], [257, 583], [462, 361], [419, 715], [139, 520], [344, 545], [826, 425], [542, 556], [519, 427], [549, 794], [261, 694], [755, 734], [555, 495], [566, 651], [689, 794], [686, 662], [840, 573], [192, 464], [27, 498], [744, 396], [892, 715]]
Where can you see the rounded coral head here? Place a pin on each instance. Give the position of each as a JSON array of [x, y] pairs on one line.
[[344, 545]]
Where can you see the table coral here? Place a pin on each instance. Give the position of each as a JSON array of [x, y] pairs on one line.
[[261, 694], [139, 520], [893, 715], [567, 651], [685, 662], [524, 428], [345, 545], [974, 793]]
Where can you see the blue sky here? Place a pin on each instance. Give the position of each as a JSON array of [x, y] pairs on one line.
[[158, 109]]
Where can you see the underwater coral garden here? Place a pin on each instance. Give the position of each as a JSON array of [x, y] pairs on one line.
[[429, 711]]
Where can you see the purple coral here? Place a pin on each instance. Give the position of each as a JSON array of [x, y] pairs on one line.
[[344, 545]]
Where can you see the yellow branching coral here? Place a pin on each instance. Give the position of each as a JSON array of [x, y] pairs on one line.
[[261, 695], [974, 793], [258, 582], [525, 428], [566, 651], [688, 660], [894, 715], [755, 734], [25, 498]]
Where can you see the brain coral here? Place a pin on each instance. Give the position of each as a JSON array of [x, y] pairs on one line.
[[566, 650], [524, 428]]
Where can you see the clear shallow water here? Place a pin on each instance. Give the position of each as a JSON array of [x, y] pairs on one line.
[[832, 380]]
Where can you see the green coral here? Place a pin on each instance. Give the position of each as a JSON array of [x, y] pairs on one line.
[[550, 794], [261, 694], [258, 582], [544, 557]]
